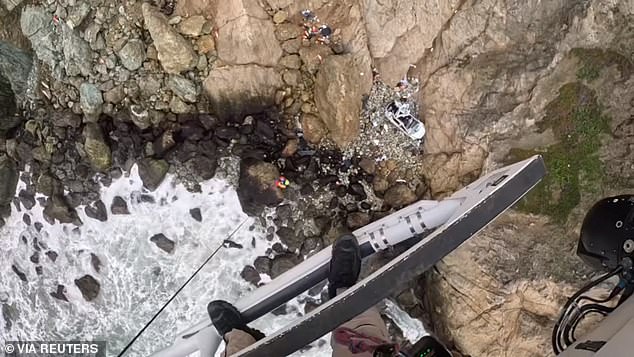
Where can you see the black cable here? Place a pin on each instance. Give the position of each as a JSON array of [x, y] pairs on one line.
[[179, 290], [569, 328], [555, 341]]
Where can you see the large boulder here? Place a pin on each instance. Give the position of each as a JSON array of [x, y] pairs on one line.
[[15, 66], [8, 181], [37, 26], [256, 186], [339, 88], [175, 53], [238, 90], [97, 150]]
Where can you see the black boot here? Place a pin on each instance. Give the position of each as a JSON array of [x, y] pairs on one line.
[[225, 317], [345, 264]]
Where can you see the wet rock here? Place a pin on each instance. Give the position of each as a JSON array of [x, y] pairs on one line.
[[51, 255], [57, 208], [284, 212], [164, 143], [192, 26], [8, 180], [235, 91], [95, 262], [365, 206], [251, 275], [97, 210], [399, 195], [35, 258], [19, 273], [307, 190], [340, 112], [97, 150], [88, 286], [60, 293], [26, 219], [39, 270], [15, 65], [263, 265], [334, 203], [133, 54], [256, 186], [91, 101], [357, 220], [282, 263], [228, 243], [183, 88], [205, 167], [341, 191], [164, 243], [119, 206], [196, 214], [175, 53], [289, 238], [152, 172], [314, 128]]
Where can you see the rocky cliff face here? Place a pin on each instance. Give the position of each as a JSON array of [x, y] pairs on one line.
[[500, 80]]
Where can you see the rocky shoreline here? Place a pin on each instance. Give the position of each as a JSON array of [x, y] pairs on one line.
[[203, 88]]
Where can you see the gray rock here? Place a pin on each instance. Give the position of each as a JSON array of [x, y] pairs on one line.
[[132, 55], [192, 26], [78, 14], [183, 88], [15, 66], [36, 24], [164, 243], [140, 116], [283, 263], [91, 100], [175, 53], [88, 286], [97, 210], [97, 150], [114, 95], [152, 172], [51, 255], [77, 53], [178, 106], [8, 180], [119, 206]]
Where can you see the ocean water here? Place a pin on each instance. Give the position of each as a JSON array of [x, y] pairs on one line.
[[136, 277]]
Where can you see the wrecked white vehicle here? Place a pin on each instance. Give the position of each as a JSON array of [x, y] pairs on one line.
[[399, 113]]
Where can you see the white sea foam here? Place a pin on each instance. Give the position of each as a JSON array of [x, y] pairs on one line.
[[136, 278]]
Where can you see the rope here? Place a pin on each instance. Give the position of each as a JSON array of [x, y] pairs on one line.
[[180, 289]]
